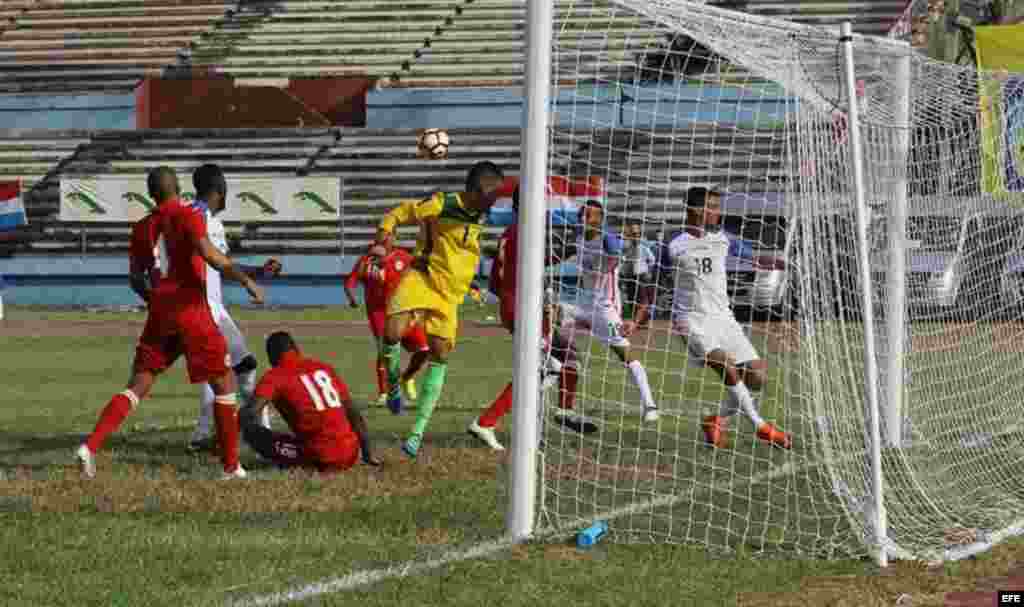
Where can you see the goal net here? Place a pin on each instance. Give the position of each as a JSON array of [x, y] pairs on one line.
[[919, 317]]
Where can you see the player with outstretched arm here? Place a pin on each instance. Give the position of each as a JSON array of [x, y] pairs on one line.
[[703, 318], [328, 431], [447, 256], [598, 307], [380, 271], [211, 189], [178, 321]]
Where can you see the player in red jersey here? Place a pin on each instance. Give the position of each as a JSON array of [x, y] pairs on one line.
[[503, 285], [178, 321], [380, 271], [143, 273], [328, 431]]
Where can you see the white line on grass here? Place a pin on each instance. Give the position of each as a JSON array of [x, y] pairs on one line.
[[357, 579]]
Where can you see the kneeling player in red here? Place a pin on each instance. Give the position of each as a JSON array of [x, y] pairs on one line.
[[380, 271], [328, 432]]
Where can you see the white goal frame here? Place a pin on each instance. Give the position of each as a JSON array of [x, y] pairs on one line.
[[883, 402]]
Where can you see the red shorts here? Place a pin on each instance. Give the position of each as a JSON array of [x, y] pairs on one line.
[[507, 315], [507, 312], [175, 329], [337, 456], [414, 340]]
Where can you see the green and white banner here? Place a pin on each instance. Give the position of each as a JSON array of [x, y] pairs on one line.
[[259, 199]]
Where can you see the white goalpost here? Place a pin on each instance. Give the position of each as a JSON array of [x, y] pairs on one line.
[[864, 257]]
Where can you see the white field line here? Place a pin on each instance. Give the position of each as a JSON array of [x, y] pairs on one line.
[[358, 579]]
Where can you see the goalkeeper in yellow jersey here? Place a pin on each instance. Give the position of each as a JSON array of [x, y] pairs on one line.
[[447, 255]]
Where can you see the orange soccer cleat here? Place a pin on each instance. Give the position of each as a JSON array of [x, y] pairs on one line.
[[714, 431], [774, 436]]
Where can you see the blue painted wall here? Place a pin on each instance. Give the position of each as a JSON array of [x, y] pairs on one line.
[[67, 111], [637, 107]]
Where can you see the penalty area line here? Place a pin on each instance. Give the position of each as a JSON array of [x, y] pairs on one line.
[[358, 579]]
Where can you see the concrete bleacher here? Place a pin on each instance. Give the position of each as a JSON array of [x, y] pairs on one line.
[[871, 17], [378, 169], [98, 45], [59, 46]]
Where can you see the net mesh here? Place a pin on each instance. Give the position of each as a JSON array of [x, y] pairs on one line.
[[757, 108]]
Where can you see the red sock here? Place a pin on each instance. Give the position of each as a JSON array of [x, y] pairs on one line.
[[498, 409], [225, 416], [382, 377], [110, 420], [567, 387]]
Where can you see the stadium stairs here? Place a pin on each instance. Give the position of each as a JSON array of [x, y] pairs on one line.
[[73, 46], [378, 169], [70, 46], [872, 17]]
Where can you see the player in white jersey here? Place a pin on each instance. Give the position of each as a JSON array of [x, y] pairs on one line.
[[211, 194], [703, 318], [598, 307]]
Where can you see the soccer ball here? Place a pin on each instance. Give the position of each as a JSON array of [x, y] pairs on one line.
[[433, 144]]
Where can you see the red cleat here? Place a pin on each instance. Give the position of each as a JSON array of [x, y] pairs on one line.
[[714, 431], [774, 436]]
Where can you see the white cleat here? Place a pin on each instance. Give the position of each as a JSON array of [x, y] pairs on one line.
[[86, 461], [651, 415], [486, 436], [238, 473]]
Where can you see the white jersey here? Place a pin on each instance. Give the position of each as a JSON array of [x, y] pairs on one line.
[[215, 232], [700, 278], [598, 260]]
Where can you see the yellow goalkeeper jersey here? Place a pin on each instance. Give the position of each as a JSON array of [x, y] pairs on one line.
[[449, 240]]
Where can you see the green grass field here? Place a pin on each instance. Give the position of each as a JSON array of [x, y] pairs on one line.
[[152, 529]]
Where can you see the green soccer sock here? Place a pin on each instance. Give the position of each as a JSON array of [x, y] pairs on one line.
[[393, 360], [430, 391]]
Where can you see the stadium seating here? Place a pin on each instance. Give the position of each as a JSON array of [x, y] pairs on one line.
[[97, 45], [873, 17], [89, 45], [378, 169]]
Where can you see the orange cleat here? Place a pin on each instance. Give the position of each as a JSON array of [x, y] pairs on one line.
[[774, 436], [714, 431]]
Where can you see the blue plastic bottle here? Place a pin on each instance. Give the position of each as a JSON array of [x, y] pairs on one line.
[[592, 534]]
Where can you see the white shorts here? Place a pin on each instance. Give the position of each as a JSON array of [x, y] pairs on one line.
[[237, 347], [707, 335], [603, 323]]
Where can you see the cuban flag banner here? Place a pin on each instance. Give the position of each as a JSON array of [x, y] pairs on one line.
[[12, 211], [564, 197]]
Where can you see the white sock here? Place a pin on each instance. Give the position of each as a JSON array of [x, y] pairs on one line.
[[741, 400], [247, 387], [640, 381], [204, 426]]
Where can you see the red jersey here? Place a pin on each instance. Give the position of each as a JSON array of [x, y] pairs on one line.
[[380, 278], [503, 270], [311, 398], [178, 229], [142, 250]]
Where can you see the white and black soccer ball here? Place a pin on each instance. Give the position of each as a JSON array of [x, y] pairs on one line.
[[433, 143]]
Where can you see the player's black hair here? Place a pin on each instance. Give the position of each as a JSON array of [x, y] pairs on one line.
[[209, 179], [480, 170], [592, 204], [162, 183], [277, 344], [696, 196]]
